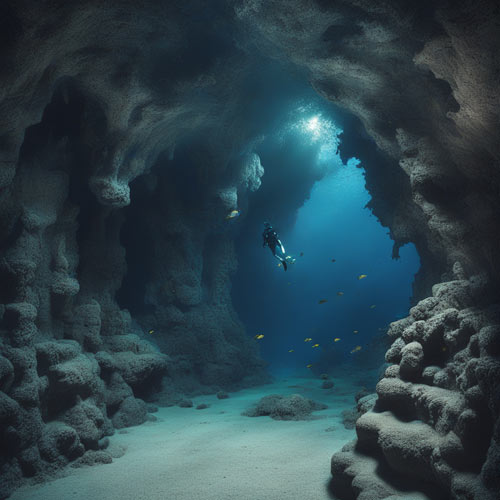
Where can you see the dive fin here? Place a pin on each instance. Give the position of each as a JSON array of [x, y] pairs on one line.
[[284, 264]]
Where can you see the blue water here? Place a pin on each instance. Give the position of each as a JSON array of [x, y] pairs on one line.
[[284, 306]]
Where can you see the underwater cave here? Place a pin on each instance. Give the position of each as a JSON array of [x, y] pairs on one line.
[[249, 250]]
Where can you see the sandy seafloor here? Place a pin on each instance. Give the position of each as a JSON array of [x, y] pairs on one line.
[[217, 454]]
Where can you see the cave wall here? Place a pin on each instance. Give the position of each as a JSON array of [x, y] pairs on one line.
[[178, 224], [96, 99], [94, 96]]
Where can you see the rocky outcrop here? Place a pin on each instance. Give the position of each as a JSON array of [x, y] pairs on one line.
[[56, 403], [437, 412]]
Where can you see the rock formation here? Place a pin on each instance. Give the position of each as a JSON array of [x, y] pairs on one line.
[[126, 135], [79, 124], [278, 407], [435, 422]]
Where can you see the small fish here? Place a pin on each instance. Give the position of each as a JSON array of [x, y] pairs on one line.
[[259, 336], [290, 350], [288, 283], [233, 214], [355, 331], [279, 264], [361, 276], [333, 260], [151, 331], [356, 349], [301, 254], [340, 294], [307, 339], [336, 339], [316, 345], [308, 366], [322, 301], [373, 306]]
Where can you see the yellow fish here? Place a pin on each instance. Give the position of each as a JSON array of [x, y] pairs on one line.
[[340, 294], [291, 350], [259, 336], [233, 214], [373, 306], [336, 339], [279, 264], [355, 331], [151, 331], [361, 276], [322, 301], [308, 366], [316, 345], [356, 349], [307, 339]]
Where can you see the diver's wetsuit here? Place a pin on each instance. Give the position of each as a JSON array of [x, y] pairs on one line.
[[271, 239]]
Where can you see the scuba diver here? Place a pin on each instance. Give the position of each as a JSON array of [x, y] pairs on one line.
[[271, 239]]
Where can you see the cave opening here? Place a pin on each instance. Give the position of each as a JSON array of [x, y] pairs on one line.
[[344, 283]]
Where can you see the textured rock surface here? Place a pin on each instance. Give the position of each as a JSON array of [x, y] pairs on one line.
[[436, 415], [79, 124]]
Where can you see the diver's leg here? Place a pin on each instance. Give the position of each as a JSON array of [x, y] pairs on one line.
[[282, 260], [282, 247]]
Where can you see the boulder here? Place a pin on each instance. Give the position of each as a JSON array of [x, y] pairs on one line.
[[294, 407]]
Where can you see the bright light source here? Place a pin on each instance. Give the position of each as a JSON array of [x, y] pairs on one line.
[[313, 124], [319, 129], [316, 129]]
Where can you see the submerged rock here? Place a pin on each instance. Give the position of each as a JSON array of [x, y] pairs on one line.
[[132, 411], [294, 407]]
